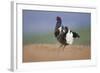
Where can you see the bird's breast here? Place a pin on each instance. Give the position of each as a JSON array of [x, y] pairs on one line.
[[69, 37]]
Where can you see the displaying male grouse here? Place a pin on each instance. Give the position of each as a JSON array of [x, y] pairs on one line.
[[63, 34]]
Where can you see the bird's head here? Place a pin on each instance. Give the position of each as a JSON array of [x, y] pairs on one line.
[[76, 35]]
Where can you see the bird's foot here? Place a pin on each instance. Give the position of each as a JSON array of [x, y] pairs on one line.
[[63, 47]]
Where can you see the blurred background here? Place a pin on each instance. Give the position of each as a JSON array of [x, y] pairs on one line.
[[38, 26]]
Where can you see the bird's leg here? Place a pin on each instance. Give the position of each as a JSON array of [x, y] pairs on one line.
[[60, 46], [64, 47]]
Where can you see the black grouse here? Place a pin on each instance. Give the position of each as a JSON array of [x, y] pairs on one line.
[[63, 34]]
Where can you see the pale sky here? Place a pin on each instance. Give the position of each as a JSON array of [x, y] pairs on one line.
[[44, 21]]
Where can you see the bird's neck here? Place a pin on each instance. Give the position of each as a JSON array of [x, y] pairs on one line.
[[58, 24]]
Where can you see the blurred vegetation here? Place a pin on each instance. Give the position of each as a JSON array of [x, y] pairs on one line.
[[33, 38], [85, 36], [39, 38]]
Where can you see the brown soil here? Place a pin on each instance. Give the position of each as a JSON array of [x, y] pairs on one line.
[[52, 52]]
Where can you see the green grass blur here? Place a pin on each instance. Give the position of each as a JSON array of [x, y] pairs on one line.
[[48, 38]]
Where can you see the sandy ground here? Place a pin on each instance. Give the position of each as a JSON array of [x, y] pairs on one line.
[[52, 52]]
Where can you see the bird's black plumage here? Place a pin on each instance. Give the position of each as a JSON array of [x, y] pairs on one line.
[[75, 35], [58, 24], [63, 34]]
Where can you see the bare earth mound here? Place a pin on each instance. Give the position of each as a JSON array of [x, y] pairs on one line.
[[52, 52]]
